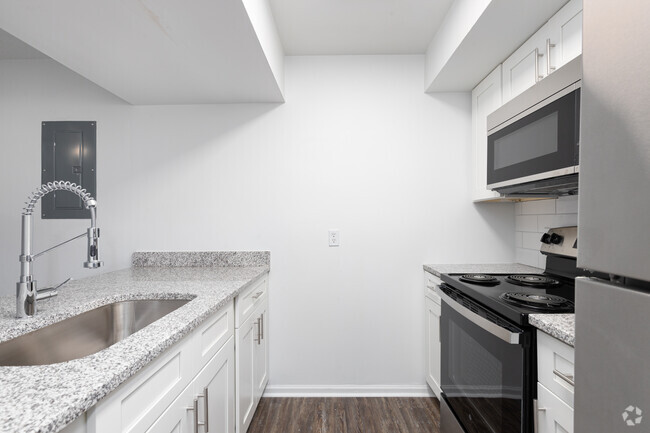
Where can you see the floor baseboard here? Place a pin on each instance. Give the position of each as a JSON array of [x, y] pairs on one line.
[[348, 391]]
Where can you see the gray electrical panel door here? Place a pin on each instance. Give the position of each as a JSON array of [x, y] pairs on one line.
[[68, 153]]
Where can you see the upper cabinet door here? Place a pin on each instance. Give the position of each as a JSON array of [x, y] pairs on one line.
[[564, 41], [486, 97], [553, 45], [525, 66]]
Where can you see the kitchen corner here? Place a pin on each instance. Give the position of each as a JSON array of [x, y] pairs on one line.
[[45, 398]]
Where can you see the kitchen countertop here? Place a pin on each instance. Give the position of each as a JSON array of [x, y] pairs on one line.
[[46, 398], [560, 326], [494, 268]]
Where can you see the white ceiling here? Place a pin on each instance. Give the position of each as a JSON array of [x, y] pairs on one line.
[[15, 49], [152, 51], [322, 27]]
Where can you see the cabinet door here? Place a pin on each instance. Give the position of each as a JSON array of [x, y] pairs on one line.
[[246, 340], [216, 387], [178, 417], [525, 66], [486, 97], [564, 41], [261, 352], [432, 335], [553, 415]]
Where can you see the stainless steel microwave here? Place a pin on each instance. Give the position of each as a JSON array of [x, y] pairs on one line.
[[534, 139]]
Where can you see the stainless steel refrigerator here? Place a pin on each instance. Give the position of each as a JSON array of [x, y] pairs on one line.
[[612, 376]]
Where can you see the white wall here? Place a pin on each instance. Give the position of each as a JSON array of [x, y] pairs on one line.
[[357, 146], [534, 218]]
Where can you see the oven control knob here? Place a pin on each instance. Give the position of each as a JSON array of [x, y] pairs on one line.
[[556, 239], [546, 238]]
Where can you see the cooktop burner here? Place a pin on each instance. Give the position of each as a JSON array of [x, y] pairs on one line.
[[533, 280], [479, 279], [538, 301], [542, 293]]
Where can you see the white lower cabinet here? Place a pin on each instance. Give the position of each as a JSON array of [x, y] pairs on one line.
[[252, 362], [555, 389], [210, 381], [211, 390], [136, 405], [261, 353], [553, 415], [432, 332]]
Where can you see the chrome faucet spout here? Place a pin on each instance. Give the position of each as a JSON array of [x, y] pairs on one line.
[[26, 289]]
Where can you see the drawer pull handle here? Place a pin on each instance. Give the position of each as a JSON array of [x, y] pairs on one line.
[[206, 406], [565, 377], [262, 326], [549, 68], [258, 294], [258, 340], [195, 409]]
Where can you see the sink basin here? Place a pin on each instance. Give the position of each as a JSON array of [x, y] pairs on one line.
[[86, 333]]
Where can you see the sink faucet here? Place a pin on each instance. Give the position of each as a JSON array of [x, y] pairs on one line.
[[26, 291]]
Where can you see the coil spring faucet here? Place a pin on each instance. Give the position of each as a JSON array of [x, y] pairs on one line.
[[26, 291]]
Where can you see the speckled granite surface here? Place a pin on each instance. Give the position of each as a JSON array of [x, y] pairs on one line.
[[201, 258], [46, 398], [495, 268], [560, 326]]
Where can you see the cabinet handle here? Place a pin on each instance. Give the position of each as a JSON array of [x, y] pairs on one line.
[[537, 56], [262, 326], [195, 409], [206, 405], [536, 410], [549, 68], [258, 294], [259, 333], [565, 377]]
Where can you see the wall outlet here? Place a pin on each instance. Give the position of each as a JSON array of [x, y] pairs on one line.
[[334, 238]]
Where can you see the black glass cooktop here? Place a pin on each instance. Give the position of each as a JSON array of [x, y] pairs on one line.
[[516, 296]]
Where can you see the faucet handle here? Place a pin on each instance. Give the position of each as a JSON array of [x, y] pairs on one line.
[[49, 292]]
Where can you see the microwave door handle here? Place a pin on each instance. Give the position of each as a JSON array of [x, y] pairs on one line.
[[494, 329]]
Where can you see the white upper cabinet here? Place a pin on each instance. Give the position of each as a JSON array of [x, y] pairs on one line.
[[554, 44], [486, 97], [564, 41], [524, 67]]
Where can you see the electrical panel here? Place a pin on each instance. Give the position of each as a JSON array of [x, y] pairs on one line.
[[68, 153]]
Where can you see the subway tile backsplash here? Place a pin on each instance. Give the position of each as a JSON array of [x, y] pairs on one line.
[[533, 218]]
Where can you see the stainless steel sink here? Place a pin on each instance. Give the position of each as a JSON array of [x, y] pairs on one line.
[[86, 333]]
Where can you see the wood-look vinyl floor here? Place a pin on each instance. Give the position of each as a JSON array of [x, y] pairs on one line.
[[347, 415]]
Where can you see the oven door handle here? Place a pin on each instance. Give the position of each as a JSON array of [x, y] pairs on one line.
[[491, 327]]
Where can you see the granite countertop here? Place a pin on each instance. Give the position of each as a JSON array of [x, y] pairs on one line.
[[494, 268], [46, 398], [560, 326]]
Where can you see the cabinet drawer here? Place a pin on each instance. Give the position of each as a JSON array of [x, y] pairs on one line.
[[430, 284], [137, 403], [249, 300], [553, 415], [212, 334], [556, 366]]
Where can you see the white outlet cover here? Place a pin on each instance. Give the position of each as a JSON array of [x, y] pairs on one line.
[[334, 238]]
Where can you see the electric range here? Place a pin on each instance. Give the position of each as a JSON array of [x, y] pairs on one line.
[[488, 348]]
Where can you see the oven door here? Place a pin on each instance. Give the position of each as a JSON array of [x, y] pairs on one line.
[[538, 144], [486, 371]]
